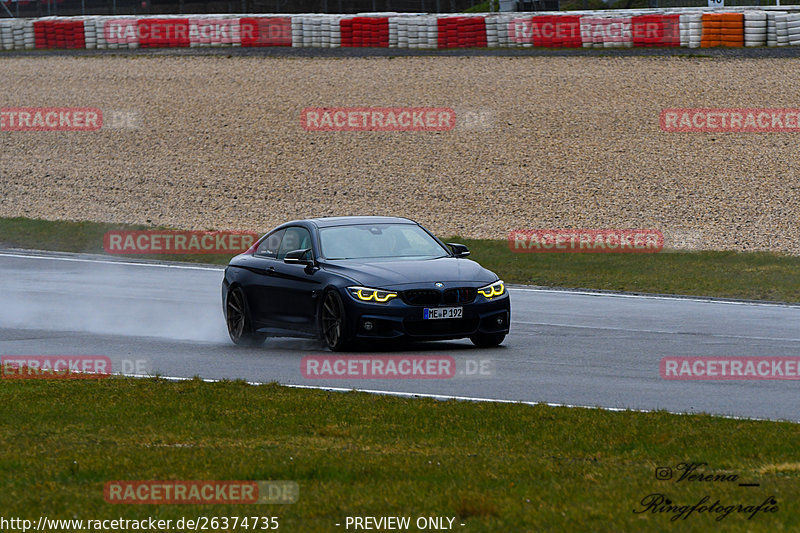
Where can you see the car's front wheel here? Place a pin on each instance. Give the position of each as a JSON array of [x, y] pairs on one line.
[[333, 322], [487, 340], [240, 327]]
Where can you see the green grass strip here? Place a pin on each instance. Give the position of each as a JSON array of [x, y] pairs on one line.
[[494, 467]]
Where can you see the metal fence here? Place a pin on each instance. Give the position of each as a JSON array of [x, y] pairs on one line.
[[41, 8]]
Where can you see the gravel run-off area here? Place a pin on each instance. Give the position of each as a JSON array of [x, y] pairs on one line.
[[540, 142]]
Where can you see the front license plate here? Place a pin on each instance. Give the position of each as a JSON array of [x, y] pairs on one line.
[[436, 313]]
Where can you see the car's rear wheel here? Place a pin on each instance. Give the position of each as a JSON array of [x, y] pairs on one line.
[[240, 327], [333, 322], [487, 340]]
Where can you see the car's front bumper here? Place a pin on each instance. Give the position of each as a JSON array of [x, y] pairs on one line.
[[397, 319]]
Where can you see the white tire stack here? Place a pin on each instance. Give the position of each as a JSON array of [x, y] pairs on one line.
[[90, 33], [28, 37], [22, 34], [236, 31], [297, 31], [394, 31], [318, 27], [692, 24], [6, 34], [99, 28], [793, 29], [133, 42], [618, 33], [683, 25], [507, 21], [492, 33], [755, 28], [325, 27], [586, 31], [501, 26], [432, 31], [691, 28], [308, 29], [782, 29], [336, 31], [772, 34], [415, 31]]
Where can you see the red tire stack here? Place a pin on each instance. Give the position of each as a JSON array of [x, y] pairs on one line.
[[163, 33], [672, 30], [365, 32], [554, 31], [462, 32], [40, 34], [59, 34], [656, 30], [266, 31], [346, 31]]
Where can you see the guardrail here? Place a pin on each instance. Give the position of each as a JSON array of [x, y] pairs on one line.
[[690, 27]]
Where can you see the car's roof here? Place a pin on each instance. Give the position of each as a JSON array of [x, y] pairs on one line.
[[326, 222]]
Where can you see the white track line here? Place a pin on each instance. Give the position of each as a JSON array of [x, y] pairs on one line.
[[653, 297], [445, 397], [110, 262]]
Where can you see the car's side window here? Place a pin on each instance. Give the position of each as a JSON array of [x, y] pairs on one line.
[[269, 246], [295, 238]]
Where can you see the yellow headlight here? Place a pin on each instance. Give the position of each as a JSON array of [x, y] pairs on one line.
[[495, 289], [372, 295]]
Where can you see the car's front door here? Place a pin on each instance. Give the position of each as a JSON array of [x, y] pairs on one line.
[[262, 283], [296, 286]]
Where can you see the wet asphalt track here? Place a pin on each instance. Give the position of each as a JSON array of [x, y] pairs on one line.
[[566, 347]]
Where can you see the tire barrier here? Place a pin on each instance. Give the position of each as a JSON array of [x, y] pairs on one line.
[[712, 30], [732, 30], [59, 33], [782, 29], [688, 27], [755, 28], [691, 28], [363, 32], [606, 32], [549, 31], [461, 32], [266, 31], [793, 29], [772, 29], [414, 32], [163, 32], [656, 30]]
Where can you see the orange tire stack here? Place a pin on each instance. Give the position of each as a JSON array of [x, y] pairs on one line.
[[712, 30], [732, 29]]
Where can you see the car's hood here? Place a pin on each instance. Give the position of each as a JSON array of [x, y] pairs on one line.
[[403, 274]]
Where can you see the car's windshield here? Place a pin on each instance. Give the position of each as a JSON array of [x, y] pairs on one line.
[[379, 242]]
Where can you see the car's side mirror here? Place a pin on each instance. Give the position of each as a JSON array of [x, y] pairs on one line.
[[459, 250], [298, 257]]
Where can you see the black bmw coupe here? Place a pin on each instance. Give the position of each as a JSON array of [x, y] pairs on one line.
[[346, 279]]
